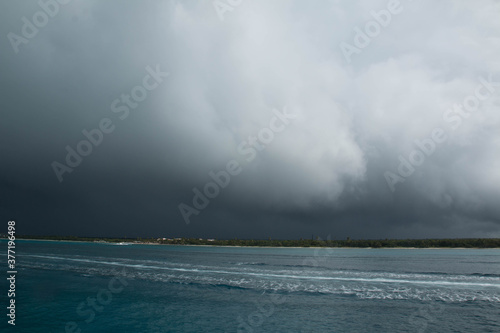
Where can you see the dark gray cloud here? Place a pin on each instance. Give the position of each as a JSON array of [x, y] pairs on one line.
[[323, 172]]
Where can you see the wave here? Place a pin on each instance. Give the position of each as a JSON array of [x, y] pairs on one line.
[[354, 271], [485, 275], [337, 276]]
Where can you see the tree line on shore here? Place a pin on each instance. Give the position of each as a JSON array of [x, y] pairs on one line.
[[363, 243]]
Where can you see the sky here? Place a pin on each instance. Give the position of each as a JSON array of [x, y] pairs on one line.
[[251, 119]]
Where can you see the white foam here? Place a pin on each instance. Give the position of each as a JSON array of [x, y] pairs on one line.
[[370, 285], [286, 276]]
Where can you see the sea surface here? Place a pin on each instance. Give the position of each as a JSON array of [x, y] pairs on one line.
[[96, 287]]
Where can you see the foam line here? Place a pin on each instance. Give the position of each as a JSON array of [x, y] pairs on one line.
[[266, 275]]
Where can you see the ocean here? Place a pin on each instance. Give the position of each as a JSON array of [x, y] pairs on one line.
[[98, 287]]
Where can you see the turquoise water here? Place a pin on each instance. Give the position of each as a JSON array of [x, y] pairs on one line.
[[92, 287]]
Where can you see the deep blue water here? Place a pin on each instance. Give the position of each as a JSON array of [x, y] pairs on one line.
[[147, 288]]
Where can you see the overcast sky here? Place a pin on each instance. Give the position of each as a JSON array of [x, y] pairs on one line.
[[318, 109]]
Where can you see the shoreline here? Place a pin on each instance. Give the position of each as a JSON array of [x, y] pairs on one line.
[[261, 247]]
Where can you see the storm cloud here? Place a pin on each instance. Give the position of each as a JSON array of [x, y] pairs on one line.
[[366, 84]]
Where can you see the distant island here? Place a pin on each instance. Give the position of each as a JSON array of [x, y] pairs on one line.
[[354, 243]]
